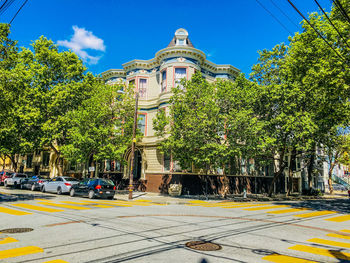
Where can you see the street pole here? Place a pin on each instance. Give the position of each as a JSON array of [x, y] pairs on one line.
[[131, 177]]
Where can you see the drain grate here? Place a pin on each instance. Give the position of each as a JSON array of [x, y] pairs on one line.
[[16, 230], [203, 245]]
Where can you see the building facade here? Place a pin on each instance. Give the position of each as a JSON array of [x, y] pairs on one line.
[[154, 80]]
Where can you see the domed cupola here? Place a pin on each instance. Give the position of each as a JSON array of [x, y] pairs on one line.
[[180, 39]]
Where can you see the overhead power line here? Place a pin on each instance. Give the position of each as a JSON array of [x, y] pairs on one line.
[[318, 33], [284, 13], [18, 11], [330, 21], [5, 6], [2, 6], [274, 17], [342, 10]]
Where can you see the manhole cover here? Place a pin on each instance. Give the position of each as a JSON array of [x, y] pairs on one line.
[[203, 245], [16, 230]]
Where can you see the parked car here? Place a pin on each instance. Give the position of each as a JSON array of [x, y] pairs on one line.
[[94, 187], [15, 180], [59, 185], [34, 183], [5, 174]]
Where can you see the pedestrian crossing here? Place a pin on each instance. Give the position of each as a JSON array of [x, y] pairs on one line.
[[275, 209], [325, 248], [49, 206], [21, 251]]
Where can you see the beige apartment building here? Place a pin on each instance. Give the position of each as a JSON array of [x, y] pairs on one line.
[[154, 80]]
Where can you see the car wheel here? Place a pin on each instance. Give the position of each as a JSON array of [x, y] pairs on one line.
[[15, 185], [43, 189], [72, 192], [59, 190], [110, 197], [33, 187], [91, 194]]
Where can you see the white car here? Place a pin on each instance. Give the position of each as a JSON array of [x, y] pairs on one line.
[[15, 180], [59, 185]]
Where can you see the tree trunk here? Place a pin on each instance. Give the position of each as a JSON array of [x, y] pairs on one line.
[[60, 166], [330, 183], [311, 168], [281, 166], [59, 161], [291, 170], [13, 161], [92, 165]]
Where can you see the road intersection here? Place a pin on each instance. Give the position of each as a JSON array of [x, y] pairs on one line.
[[71, 230]]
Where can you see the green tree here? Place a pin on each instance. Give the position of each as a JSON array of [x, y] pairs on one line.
[[195, 135], [287, 124], [101, 127], [17, 117], [58, 85]]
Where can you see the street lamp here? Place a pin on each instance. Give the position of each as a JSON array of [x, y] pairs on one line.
[[132, 157], [131, 177]]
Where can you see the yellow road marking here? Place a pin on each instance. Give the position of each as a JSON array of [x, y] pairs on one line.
[[73, 203], [345, 230], [329, 242], [21, 251], [339, 218], [107, 203], [338, 236], [133, 203], [217, 204], [38, 208], [322, 252], [143, 200], [198, 202], [239, 206], [6, 240], [13, 211], [266, 207], [56, 261], [292, 210], [286, 259], [103, 206], [312, 214], [65, 206]]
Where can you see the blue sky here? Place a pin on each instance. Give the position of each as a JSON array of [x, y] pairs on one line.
[[108, 33]]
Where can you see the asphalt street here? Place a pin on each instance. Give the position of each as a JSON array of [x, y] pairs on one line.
[[66, 229]]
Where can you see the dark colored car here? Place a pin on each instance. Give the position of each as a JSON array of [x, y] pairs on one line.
[[34, 183], [94, 187], [5, 174]]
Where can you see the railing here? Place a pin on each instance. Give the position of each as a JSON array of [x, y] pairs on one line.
[[339, 180]]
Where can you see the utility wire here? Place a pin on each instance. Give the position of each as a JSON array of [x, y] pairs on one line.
[[284, 13], [342, 10], [274, 17], [6, 6], [330, 21], [318, 33], [18, 11], [1, 7]]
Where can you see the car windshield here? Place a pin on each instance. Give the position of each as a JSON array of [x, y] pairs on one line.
[[71, 179], [106, 182], [85, 181]]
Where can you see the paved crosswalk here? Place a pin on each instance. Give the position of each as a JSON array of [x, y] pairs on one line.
[[326, 248], [49, 206], [300, 212]]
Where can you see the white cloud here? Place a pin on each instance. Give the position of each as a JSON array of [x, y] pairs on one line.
[[83, 39]]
